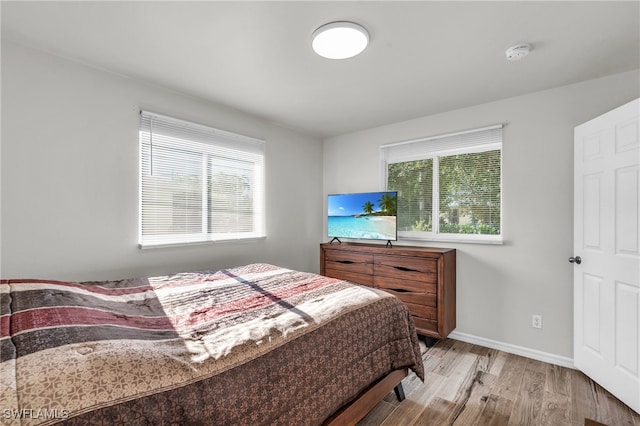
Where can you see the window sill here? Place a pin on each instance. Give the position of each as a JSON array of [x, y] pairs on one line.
[[454, 238], [150, 245]]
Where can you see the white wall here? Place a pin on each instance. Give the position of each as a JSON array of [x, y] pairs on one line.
[[500, 287], [69, 188], [70, 176]]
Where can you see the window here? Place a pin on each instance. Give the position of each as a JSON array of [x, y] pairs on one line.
[[449, 187], [198, 184]]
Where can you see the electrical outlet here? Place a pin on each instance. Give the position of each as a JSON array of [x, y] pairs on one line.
[[536, 321]]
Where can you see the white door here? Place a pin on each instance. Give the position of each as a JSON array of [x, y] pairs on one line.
[[606, 241]]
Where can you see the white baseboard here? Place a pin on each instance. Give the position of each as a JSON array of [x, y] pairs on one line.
[[514, 349]]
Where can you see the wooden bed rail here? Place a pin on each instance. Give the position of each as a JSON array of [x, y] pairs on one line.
[[355, 411]]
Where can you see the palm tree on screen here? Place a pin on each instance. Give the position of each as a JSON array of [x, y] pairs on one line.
[[368, 207], [387, 203]]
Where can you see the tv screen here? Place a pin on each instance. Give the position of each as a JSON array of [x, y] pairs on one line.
[[367, 215]]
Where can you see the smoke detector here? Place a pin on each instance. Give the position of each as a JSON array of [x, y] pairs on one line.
[[517, 52]]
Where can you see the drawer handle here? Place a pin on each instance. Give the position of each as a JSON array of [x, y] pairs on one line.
[[402, 268], [346, 262], [400, 290]]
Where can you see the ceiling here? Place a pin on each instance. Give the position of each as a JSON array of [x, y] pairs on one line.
[[424, 57]]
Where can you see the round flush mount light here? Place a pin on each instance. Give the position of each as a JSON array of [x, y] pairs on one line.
[[517, 52], [339, 40]]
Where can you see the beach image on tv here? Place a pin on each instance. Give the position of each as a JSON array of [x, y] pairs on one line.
[[369, 215]]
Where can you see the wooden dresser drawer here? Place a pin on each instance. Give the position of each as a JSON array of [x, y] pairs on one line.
[[364, 279], [358, 268], [426, 299], [428, 312], [404, 285], [425, 325], [411, 268], [347, 256]]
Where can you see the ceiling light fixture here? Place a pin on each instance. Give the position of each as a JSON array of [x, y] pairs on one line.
[[517, 52], [339, 40]]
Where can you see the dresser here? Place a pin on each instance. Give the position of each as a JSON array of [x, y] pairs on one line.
[[424, 278]]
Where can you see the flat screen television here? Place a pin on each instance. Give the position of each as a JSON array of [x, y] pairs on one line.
[[365, 215]]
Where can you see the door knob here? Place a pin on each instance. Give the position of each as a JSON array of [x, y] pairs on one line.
[[576, 259]]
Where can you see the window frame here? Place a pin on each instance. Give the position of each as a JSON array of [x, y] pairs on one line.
[[209, 149], [435, 155]]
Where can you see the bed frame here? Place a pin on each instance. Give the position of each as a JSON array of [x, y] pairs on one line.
[[357, 409]]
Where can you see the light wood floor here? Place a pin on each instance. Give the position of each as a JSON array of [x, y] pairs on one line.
[[467, 384]]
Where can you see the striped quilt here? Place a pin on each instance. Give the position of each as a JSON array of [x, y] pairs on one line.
[[257, 344]]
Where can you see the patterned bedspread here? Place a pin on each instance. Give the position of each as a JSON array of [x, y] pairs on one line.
[[257, 344]]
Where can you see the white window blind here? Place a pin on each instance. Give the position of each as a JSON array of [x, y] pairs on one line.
[[198, 184], [449, 186]]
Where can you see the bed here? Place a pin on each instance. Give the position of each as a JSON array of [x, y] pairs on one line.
[[257, 344]]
